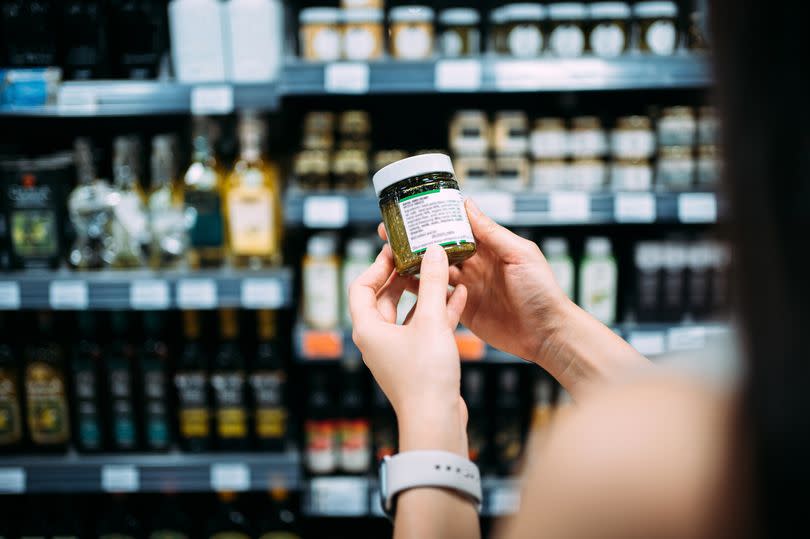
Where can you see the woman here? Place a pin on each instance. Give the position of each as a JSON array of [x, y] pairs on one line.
[[645, 453]]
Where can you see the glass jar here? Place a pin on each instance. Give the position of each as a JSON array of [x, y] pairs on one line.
[[517, 29], [320, 34], [350, 169], [354, 128], [363, 34], [549, 139], [549, 175], [609, 34], [383, 158], [469, 133], [658, 33], [319, 131], [511, 173], [675, 169], [411, 29], [587, 137], [708, 126], [511, 133], [677, 127], [311, 169], [586, 174], [708, 167], [359, 4], [422, 205], [474, 172], [633, 138], [459, 33], [566, 37], [631, 175]]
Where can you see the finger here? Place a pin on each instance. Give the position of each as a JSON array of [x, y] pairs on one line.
[[382, 232], [388, 298], [363, 291], [489, 234], [433, 281], [456, 304], [409, 316], [412, 283]]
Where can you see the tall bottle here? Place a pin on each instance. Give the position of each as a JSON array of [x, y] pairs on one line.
[[84, 39], [598, 280], [202, 197], [28, 29], [228, 382], [153, 385], [191, 382], [11, 430], [86, 383], [120, 364], [279, 522], [321, 283], [167, 225], [129, 228], [228, 522], [267, 381], [253, 201], [138, 37], [359, 256], [45, 389], [355, 425], [556, 252], [320, 427], [508, 422]]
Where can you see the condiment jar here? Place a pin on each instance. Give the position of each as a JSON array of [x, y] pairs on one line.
[[517, 29], [354, 128], [658, 32], [511, 133], [675, 169], [474, 172], [383, 158], [586, 174], [707, 126], [609, 34], [422, 205], [511, 173], [411, 30], [566, 37], [469, 133], [631, 175], [633, 138], [708, 166], [350, 169], [319, 129], [677, 127], [549, 139], [363, 34], [459, 34], [549, 175], [587, 137], [312, 168], [320, 34]]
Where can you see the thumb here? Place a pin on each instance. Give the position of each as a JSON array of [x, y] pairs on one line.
[[433, 279], [504, 243]]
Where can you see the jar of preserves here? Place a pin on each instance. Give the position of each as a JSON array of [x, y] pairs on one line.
[[587, 137], [422, 205], [363, 34], [658, 33], [459, 34], [708, 167], [633, 138], [707, 126], [609, 34], [511, 133], [631, 175], [566, 37], [350, 169], [411, 29], [675, 169], [677, 127], [354, 128], [549, 139], [511, 173], [319, 131], [383, 158], [474, 172], [549, 175], [311, 169], [587, 174], [320, 34], [517, 29], [469, 133]]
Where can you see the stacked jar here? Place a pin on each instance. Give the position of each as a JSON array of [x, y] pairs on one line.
[[470, 142], [327, 34], [632, 144]]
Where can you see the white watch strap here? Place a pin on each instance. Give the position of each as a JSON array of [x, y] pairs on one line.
[[441, 469]]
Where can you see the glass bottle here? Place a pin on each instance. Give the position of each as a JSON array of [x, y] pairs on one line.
[[85, 371], [153, 385], [191, 382], [84, 39], [280, 521], [118, 522], [202, 198], [129, 229], [355, 423], [166, 218], [267, 380], [321, 283], [228, 382], [253, 201], [10, 395], [119, 365], [320, 427]]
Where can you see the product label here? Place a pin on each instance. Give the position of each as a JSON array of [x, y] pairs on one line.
[[47, 406], [326, 44], [355, 445], [123, 412], [157, 427], [631, 177], [525, 40], [676, 131], [549, 176], [10, 427], [435, 217], [598, 289], [586, 176], [587, 143], [229, 389], [204, 215], [413, 42], [84, 382], [359, 43], [661, 37], [607, 40], [193, 403], [549, 144], [321, 294], [676, 173], [33, 233], [271, 416], [567, 40], [633, 144], [321, 453], [250, 214]]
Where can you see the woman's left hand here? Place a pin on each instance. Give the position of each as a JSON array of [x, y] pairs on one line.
[[416, 364]]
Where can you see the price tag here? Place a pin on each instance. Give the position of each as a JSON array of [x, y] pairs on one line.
[[635, 207], [68, 295], [346, 78], [338, 496], [326, 212], [262, 294], [12, 480], [524, 74], [452, 75], [691, 338], [9, 295], [216, 99], [504, 500], [648, 343], [569, 207], [697, 208], [119, 478], [78, 100], [149, 295], [230, 477], [196, 294], [321, 344], [499, 206], [470, 347]]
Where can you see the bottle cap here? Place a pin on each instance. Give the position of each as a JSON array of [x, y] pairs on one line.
[[555, 247], [610, 10], [655, 9], [675, 255], [598, 247], [319, 15], [649, 255], [518, 12], [564, 11], [410, 167], [321, 245], [411, 14], [459, 16], [362, 15]]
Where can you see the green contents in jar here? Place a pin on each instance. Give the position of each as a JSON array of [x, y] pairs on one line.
[[421, 206]]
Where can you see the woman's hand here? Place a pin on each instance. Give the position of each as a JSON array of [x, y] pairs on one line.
[[417, 364]]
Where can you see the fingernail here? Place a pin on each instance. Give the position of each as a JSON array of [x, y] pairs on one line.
[[434, 253]]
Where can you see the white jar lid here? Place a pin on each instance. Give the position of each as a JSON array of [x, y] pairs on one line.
[[411, 14], [655, 9], [410, 167], [610, 10], [461, 16], [319, 15], [362, 15], [564, 11], [518, 12], [597, 247]]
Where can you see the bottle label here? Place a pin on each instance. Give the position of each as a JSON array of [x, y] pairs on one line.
[[33, 233], [598, 295], [193, 403], [123, 411], [607, 40], [321, 294], [229, 390], [250, 214], [271, 423], [355, 445], [10, 427], [525, 40], [321, 452], [157, 424], [435, 217], [47, 406], [661, 37], [204, 214], [84, 382], [676, 131], [567, 40], [413, 42]]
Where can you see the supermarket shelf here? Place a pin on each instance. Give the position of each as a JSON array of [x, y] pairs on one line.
[[146, 290], [333, 211], [173, 472]]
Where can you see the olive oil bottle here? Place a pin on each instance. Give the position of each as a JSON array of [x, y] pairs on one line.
[[85, 377], [267, 382], [119, 364], [191, 382], [229, 383], [10, 395], [153, 385]]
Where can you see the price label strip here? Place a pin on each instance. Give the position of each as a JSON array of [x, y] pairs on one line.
[[68, 295], [9, 295], [689, 338], [262, 294], [217, 100], [326, 212], [458, 75], [504, 500], [230, 477], [196, 294], [338, 496], [12, 480], [635, 208], [648, 343], [499, 206], [149, 295], [573, 207], [317, 344], [346, 78], [120, 478], [697, 208]]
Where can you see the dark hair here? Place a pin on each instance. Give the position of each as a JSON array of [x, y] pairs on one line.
[[762, 68]]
